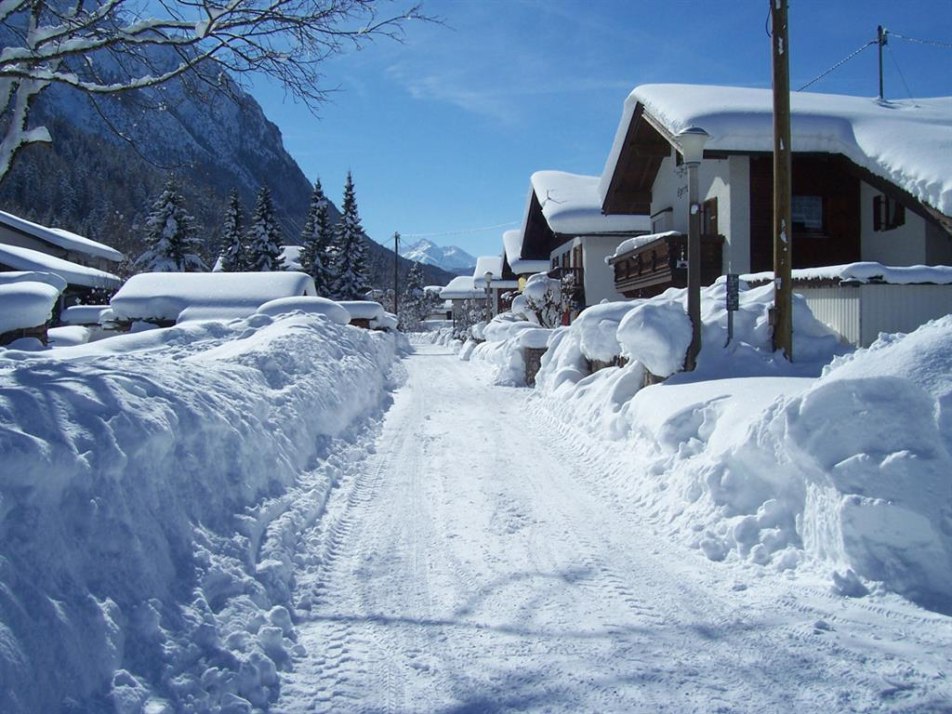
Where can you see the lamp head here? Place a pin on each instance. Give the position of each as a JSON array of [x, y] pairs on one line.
[[691, 143]]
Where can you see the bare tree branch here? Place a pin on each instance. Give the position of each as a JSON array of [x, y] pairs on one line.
[[111, 47]]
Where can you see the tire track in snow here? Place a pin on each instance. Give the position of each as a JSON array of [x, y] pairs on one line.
[[479, 562]]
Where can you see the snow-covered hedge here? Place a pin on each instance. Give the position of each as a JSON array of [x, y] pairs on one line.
[[145, 485]]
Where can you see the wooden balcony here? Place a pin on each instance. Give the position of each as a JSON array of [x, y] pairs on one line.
[[652, 268]]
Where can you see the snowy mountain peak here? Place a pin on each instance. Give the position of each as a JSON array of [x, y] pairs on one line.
[[449, 258]]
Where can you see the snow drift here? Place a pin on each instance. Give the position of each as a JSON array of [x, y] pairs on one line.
[[144, 482]]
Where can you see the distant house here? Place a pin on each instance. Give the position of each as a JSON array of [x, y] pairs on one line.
[[564, 224], [872, 180], [489, 274]]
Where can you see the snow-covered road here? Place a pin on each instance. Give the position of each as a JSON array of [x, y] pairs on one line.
[[473, 558]]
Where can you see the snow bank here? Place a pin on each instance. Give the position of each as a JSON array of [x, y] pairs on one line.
[[507, 336], [750, 458], [26, 304], [165, 296], [149, 482]]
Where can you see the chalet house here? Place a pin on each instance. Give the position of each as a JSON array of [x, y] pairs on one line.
[[872, 180], [564, 224]]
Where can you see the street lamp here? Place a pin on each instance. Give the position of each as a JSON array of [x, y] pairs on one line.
[[691, 143], [488, 277]]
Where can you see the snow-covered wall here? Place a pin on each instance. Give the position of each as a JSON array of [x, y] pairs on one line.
[[145, 483]]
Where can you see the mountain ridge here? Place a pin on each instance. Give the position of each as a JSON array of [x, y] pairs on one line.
[[450, 258]]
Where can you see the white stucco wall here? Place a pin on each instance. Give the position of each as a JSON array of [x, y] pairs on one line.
[[905, 245], [728, 181], [599, 277]]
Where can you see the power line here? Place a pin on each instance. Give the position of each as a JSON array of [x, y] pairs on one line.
[[460, 232], [838, 64], [935, 43]]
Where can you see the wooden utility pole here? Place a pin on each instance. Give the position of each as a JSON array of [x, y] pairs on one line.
[[881, 41], [782, 214], [396, 266]]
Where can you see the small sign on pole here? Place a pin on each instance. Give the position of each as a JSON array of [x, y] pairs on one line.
[[733, 303]]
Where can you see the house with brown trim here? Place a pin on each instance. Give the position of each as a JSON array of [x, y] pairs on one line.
[[871, 179]]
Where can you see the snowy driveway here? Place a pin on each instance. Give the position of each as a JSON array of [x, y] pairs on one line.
[[473, 560]]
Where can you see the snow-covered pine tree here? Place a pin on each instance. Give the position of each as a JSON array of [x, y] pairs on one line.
[[413, 303], [316, 241], [265, 245], [234, 257], [349, 265], [172, 246]]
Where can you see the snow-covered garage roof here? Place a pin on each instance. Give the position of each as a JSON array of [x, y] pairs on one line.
[[908, 143]]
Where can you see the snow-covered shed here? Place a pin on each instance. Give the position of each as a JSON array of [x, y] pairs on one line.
[[167, 298], [59, 243], [872, 179], [490, 275]]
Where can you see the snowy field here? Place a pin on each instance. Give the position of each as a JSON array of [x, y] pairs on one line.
[[282, 513]]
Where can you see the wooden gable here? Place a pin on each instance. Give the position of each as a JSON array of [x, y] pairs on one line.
[[642, 152]]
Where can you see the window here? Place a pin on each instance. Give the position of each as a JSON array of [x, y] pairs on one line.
[[662, 221], [807, 214], [887, 213]]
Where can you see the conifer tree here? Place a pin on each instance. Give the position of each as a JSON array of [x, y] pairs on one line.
[[265, 245], [413, 302], [170, 239], [349, 265], [234, 258], [316, 240]]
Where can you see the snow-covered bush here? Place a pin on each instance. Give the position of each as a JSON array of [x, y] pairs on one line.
[[542, 300]]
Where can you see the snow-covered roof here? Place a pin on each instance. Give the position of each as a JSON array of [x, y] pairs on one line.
[[866, 272], [33, 260], [26, 304], [487, 264], [165, 296], [512, 243], [906, 142], [363, 309], [462, 287], [572, 205], [32, 276], [61, 238]]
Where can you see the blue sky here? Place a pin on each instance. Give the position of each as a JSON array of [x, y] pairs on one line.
[[443, 130]]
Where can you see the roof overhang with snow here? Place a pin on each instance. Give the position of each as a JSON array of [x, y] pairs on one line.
[[463, 287], [17, 258], [572, 206], [60, 238], [905, 143]]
